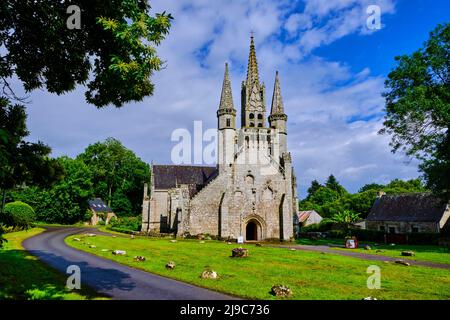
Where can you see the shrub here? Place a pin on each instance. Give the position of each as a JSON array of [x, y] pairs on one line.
[[18, 214], [324, 225], [126, 223]]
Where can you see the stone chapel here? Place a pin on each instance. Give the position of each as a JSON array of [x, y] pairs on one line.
[[250, 193]]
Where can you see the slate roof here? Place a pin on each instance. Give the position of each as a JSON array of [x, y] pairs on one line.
[[412, 207], [169, 176], [98, 205]]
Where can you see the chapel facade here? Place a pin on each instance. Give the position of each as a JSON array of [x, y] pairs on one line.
[[250, 193]]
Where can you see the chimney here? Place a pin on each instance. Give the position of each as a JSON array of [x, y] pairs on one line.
[[380, 194]]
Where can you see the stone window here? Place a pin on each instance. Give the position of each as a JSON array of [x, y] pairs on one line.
[[392, 230], [249, 179], [252, 124], [414, 229], [260, 116], [228, 122], [382, 228], [251, 116], [259, 125]]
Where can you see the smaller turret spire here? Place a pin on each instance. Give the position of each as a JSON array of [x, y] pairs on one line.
[[226, 99], [277, 101]]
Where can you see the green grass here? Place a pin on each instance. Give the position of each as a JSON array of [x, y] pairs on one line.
[[311, 275], [22, 276], [436, 254]]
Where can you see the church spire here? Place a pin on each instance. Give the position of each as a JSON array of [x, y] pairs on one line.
[[226, 99], [252, 71], [277, 100]]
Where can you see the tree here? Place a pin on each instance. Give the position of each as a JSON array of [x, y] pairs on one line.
[[315, 185], [113, 51], [371, 186], [22, 162], [418, 108], [333, 184], [118, 173], [65, 201]]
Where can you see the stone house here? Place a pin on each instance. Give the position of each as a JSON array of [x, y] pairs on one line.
[[100, 211], [306, 218], [408, 213], [250, 193]]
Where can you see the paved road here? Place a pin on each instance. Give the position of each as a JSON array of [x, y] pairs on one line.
[[366, 256], [107, 277]]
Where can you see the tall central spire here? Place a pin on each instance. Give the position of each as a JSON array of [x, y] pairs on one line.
[[252, 71], [253, 100]]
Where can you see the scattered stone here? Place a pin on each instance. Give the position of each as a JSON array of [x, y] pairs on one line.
[[281, 291], [258, 245], [170, 265], [293, 249], [408, 253], [139, 258], [119, 252], [367, 248], [386, 261], [76, 239], [132, 236], [228, 242], [90, 234], [402, 262], [323, 252], [92, 246], [392, 244], [202, 241], [369, 298], [173, 241], [114, 236], [209, 274], [208, 238], [104, 250], [239, 252], [378, 251], [200, 237]]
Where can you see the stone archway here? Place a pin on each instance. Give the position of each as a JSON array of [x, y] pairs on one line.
[[251, 231], [253, 228]]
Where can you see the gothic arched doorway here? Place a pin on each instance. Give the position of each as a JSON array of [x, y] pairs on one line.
[[251, 231]]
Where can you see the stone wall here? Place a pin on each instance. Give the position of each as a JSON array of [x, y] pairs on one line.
[[403, 227]]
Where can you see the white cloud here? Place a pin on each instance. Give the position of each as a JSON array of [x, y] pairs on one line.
[[334, 114]]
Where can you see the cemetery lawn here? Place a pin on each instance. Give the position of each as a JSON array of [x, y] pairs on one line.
[[310, 275], [24, 277], [438, 254]]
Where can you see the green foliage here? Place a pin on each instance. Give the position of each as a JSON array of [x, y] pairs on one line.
[[345, 217], [331, 202], [22, 161], [118, 174], [114, 51], [18, 215], [418, 108], [66, 201], [126, 223]]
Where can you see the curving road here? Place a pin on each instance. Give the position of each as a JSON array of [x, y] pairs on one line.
[[108, 277]]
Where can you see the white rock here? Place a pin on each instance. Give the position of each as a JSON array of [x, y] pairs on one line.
[[119, 252]]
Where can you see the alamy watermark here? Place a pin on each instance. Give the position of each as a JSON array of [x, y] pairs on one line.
[[74, 20], [74, 280], [374, 280], [373, 21]]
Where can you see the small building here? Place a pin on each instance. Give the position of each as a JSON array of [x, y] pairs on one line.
[[408, 213], [100, 211], [306, 218]]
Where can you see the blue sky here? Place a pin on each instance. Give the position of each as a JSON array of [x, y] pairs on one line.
[[332, 70]]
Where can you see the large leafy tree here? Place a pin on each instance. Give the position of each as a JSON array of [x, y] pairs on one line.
[[22, 162], [66, 200], [118, 173], [418, 108], [113, 52]]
